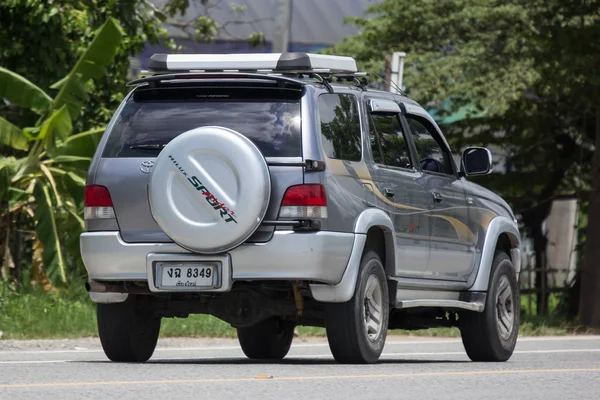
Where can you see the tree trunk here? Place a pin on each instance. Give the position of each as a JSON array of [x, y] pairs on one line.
[[540, 243], [589, 306]]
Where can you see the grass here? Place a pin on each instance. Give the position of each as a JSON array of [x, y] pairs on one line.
[[196, 326], [38, 315], [45, 316]]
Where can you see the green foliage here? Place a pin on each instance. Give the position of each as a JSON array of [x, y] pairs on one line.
[[196, 326], [92, 64], [33, 313], [43, 39], [47, 185], [177, 7], [57, 127], [47, 230], [7, 171], [20, 91], [256, 39], [81, 145], [11, 135], [205, 28], [469, 51], [61, 32]]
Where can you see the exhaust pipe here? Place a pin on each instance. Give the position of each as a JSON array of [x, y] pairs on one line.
[[114, 287], [98, 287]]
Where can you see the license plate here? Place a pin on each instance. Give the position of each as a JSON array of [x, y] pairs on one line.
[[182, 275]]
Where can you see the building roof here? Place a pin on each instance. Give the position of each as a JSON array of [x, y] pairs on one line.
[[313, 21]]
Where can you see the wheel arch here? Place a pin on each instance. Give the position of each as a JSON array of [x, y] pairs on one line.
[[502, 234], [371, 225], [378, 227]]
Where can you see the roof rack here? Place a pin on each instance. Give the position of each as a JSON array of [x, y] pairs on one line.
[[283, 68], [285, 63]]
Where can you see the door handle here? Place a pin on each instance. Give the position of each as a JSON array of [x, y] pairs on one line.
[[437, 198], [388, 192]]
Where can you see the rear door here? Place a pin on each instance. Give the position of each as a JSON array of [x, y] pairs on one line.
[[401, 193], [452, 252], [268, 115]]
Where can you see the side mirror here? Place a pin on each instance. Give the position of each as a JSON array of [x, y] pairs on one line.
[[476, 161]]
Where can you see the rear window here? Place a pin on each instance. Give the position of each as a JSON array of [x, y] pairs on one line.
[[153, 117]]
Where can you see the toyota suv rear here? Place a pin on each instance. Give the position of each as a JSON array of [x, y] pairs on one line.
[[252, 188]]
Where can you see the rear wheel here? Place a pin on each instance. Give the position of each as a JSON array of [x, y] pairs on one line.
[[356, 330], [492, 334], [127, 331], [268, 340]]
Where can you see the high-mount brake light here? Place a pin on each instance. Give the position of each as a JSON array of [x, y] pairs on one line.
[[259, 62], [304, 202], [97, 203]]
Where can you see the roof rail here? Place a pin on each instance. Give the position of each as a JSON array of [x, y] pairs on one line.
[[253, 62], [154, 79]]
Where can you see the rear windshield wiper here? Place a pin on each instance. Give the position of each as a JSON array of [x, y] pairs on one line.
[[148, 146]]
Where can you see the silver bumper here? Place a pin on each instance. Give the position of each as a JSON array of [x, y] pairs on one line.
[[318, 257]]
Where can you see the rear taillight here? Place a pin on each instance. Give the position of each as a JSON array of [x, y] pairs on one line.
[[304, 201], [97, 203]]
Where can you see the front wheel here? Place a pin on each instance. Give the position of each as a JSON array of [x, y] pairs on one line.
[[356, 330], [128, 332], [492, 334]]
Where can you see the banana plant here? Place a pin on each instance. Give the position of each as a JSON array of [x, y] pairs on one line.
[[47, 184]]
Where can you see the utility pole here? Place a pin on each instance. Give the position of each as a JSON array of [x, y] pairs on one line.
[[397, 71], [283, 23]]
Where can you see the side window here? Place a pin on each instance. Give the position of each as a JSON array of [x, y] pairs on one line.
[[388, 143], [340, 126], [432, 156]]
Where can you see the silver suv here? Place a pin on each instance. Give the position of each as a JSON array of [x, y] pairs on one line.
[[277, 190]]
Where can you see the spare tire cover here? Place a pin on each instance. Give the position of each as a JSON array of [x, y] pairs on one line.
[[209, 189]]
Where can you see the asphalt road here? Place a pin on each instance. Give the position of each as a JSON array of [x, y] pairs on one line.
[[411, 368]]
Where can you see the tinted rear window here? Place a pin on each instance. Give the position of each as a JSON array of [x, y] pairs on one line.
[[268, 117]]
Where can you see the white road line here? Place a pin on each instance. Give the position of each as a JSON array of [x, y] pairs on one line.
[[34, 362], [48, 351], [441, 353], [557, 338], [557, 351], [319, 356], [452, 353], [309, 345]]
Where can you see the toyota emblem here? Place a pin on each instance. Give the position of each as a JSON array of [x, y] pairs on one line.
[[146, 166]]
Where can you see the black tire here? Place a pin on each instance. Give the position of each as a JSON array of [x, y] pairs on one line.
[[481, 332], [268, 340], [345, 322], [128, 333]]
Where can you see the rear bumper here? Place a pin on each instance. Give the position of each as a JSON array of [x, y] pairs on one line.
[[318, 257]]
